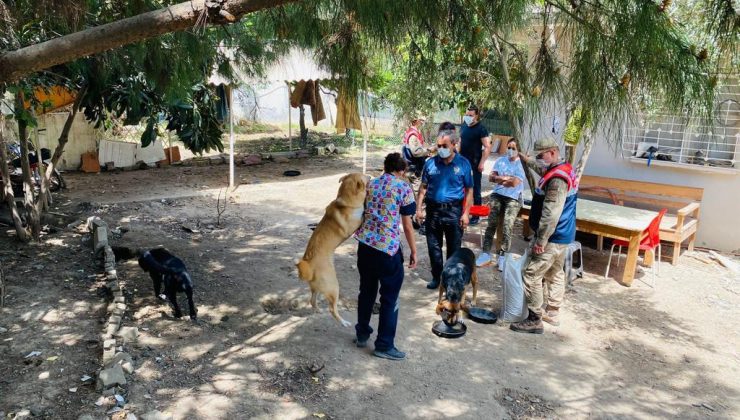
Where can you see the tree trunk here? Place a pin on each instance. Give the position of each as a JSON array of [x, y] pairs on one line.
[[570, 153], [59, 150], [29, 199], [302, 124], [503, 52], [16, 64], [7, 191], [587, 146]]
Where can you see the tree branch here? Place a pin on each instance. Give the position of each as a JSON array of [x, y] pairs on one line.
[[16, 64]]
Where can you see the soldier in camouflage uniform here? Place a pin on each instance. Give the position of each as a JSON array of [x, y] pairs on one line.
[[553, 219], [509, 179]]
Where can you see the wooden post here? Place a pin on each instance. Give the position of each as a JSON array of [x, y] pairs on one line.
[[302, 125], [169, 145]]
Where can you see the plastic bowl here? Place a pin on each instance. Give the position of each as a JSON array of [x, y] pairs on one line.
[[440, 329], [482, 316]]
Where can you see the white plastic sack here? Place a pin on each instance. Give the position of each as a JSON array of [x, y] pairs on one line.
[[514, 307]]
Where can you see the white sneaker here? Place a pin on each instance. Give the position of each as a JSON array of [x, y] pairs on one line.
[[483, 260], [500, 263]]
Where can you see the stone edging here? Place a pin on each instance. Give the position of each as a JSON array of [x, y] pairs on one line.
[[116, 364]]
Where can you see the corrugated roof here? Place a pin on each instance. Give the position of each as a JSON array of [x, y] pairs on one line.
[[294, 66]]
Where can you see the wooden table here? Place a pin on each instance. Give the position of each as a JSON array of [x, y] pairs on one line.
[[613, 221]]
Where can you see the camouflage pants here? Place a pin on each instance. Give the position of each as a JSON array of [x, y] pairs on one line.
[[509, 207], [545, 268]]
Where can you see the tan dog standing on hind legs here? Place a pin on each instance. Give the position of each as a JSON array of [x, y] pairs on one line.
[[342, 218]]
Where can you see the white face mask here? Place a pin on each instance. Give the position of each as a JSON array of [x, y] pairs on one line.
[[542, 163], [468, 119], [444, 153], [512, 153]]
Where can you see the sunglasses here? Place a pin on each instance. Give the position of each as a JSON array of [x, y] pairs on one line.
[[541, 155]]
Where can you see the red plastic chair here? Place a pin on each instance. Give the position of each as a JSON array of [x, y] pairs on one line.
[[648, 243], [481, 211]]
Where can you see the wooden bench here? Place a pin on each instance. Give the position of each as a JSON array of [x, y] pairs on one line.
[[679, 224]]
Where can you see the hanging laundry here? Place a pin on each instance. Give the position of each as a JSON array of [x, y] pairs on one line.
[[222, 108], [307, 93], [348, 114]]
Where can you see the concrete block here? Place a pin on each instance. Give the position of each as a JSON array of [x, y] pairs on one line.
[[89, 222], [156, 415], [111, 329], [111, 377], [99, 223], [108, 355], [123, 359], [250, 160], [128, 334], [110, 259], [100, 238]]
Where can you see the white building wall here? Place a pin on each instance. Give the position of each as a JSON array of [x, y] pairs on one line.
[[718, 226], [83, 137], [720, 207]]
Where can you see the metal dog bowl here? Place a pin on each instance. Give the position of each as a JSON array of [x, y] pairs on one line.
[[441, 329], [483, 316]]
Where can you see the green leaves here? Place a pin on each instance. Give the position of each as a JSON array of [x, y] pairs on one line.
[[578, 121], [196, 122]]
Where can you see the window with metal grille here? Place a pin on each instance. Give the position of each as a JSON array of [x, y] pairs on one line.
[[668, 139]]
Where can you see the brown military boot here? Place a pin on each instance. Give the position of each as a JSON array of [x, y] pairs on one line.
[[532, 325], [551, 316]]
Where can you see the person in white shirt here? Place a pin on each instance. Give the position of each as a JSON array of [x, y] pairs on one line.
[[509, 178]]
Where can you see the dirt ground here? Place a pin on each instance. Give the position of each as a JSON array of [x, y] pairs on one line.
[[259, 351]]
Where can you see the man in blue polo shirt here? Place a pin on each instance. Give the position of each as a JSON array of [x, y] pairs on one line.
[[447, 180]]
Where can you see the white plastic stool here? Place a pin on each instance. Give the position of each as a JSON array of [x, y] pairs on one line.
[[572, 272]]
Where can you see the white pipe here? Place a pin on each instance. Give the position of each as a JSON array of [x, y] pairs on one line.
[[231, 138], [365, 135], [290, 123]]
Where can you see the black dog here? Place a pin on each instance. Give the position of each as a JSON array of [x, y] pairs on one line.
[[162, 266], [457, 273]]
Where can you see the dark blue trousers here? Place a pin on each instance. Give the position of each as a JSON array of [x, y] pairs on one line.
[[442, 224], [378, 269]]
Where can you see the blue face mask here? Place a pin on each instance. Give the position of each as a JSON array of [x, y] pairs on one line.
[[468, 119], [444, 153]]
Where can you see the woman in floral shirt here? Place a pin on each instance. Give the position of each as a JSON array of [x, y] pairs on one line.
[[389, 203]]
